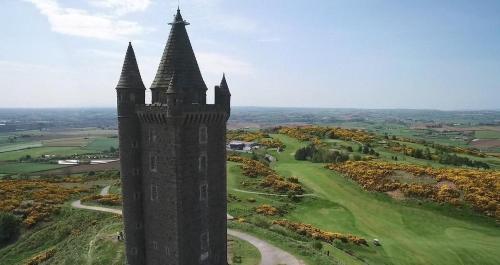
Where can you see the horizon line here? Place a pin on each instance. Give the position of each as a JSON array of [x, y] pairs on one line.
[[263, 107]]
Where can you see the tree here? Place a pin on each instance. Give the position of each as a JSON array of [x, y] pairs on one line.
[[9, 227]]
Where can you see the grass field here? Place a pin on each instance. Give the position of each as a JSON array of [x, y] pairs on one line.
[[39, 151], [487, 134], [16, 168], [101, 144], [19, 146], [68, 142], [410, 233], [241, 252]]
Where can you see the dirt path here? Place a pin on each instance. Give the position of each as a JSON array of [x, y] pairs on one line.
[[270, 255]]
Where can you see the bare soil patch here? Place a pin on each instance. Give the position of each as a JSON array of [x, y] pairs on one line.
[[396, 194], [407, 177]]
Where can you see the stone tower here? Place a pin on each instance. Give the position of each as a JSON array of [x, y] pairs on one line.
[[173, 160]]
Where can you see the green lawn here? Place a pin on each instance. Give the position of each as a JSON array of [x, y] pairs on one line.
[[15, 168], [410, 234], [101, 144]]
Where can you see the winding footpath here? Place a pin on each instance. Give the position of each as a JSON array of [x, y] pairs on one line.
[[270, 255]]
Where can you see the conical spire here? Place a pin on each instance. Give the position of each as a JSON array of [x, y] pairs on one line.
[[130, 77], [223, 84], [179, 57]]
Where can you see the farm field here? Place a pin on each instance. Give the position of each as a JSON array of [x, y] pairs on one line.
[[487, 134], [16, 168], [39, 150]]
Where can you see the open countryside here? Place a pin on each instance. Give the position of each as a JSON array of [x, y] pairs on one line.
[[298, 193]]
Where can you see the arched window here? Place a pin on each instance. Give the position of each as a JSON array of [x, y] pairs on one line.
[[203, 134], [153, 162], [203, 192], [202, 167], [154, 192]]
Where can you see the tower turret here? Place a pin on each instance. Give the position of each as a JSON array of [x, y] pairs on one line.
[[130, 88], [173, 94], [178, 57], [223, 95], [130, 92], [173, 160]]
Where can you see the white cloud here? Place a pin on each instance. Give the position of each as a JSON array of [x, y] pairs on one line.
[[78, 22], [122, 7], [215, 63]]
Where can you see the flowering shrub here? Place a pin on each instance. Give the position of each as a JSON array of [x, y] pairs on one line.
[[279, 184], [314, 133], [33, 200], [480, 188], [267, 209], [40, 258], [246, 136], [272, 143], [252, 168], [318, 234]]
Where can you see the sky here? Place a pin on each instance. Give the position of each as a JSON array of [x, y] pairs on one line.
[[423, 54]]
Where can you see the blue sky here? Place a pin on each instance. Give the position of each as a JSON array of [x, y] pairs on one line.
[[323, 53]]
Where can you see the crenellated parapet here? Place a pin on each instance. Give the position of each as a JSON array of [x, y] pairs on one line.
[[185, 114]]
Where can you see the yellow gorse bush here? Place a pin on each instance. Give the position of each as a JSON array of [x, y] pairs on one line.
[[252, 168], [314, 133], [34, 200], [480, 188], [318, 234]]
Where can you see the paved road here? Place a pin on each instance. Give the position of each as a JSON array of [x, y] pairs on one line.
[[270, 255]]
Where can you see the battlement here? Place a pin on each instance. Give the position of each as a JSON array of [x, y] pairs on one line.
[[189, 114]]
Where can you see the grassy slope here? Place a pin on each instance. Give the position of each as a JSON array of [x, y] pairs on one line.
[[245, 208], [249, 254], [410, 234], [79, 237]]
